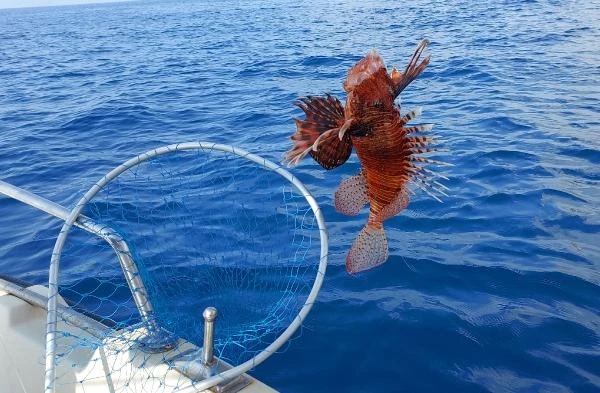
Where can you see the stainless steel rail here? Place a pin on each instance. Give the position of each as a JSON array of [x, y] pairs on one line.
[[157, 339], [75, 318]]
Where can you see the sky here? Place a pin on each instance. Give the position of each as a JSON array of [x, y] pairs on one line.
[[44, 3]]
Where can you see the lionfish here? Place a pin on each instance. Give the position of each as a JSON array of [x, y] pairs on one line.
[[388, 150]]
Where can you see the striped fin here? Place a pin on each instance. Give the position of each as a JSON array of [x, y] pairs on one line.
[[411, 115], [426, 160], [418, 141], [425, 179], [429, 171], [430, 186], [426, 191], [402, 79], [315, 133], [422, 177], [418, 128], [423, 150]]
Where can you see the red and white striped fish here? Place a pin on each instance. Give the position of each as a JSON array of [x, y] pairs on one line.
[[389, 151]]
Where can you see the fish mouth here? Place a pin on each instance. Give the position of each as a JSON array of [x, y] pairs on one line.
[[344, 128]]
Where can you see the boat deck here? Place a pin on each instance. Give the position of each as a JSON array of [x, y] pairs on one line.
[[22, 365]]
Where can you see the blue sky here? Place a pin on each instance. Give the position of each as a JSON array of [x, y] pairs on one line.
[[43, 3]]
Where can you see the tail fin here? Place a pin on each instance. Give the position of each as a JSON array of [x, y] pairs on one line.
[[316, 134], [370, 249]]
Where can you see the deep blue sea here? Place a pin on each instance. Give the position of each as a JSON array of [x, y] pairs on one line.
[[497, 289]]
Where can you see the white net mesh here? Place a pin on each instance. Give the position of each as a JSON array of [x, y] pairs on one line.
[[204, 227]]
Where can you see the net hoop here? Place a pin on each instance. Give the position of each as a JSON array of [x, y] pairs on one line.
[[98, 186]]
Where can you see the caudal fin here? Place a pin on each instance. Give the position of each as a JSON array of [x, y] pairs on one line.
[[370, 249]]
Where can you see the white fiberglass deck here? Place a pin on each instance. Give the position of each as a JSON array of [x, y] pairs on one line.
[[22, 345]]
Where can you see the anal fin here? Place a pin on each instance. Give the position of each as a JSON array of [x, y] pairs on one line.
[[396, 206]]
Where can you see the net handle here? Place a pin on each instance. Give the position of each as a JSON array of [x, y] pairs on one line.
[[97, 187]]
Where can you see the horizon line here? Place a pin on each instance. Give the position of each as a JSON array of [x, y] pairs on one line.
[[55, 3]]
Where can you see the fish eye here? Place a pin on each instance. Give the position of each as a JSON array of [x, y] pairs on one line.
[[360, 131]]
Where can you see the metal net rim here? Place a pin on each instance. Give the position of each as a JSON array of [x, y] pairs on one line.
[[99, 185]]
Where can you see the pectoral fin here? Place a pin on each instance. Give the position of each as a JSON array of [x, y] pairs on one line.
[[324, 117]]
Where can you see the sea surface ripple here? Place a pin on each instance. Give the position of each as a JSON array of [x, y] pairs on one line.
[[497, 289]]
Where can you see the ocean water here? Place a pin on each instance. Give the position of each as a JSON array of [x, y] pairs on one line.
[[497, 289]]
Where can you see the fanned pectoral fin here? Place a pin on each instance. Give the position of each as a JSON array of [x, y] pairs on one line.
[[317, 134], [370, 249], [329, 151], [351, 196]]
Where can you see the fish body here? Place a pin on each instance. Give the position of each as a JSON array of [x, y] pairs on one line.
[[372, 124]]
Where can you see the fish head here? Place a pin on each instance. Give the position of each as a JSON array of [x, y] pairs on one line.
[[369, 85], [370, 95], [363, 70]]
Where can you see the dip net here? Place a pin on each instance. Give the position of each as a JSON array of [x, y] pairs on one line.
[[159, 239]]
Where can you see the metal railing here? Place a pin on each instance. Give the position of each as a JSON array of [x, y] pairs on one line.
[[88, 325], [157, 339]]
